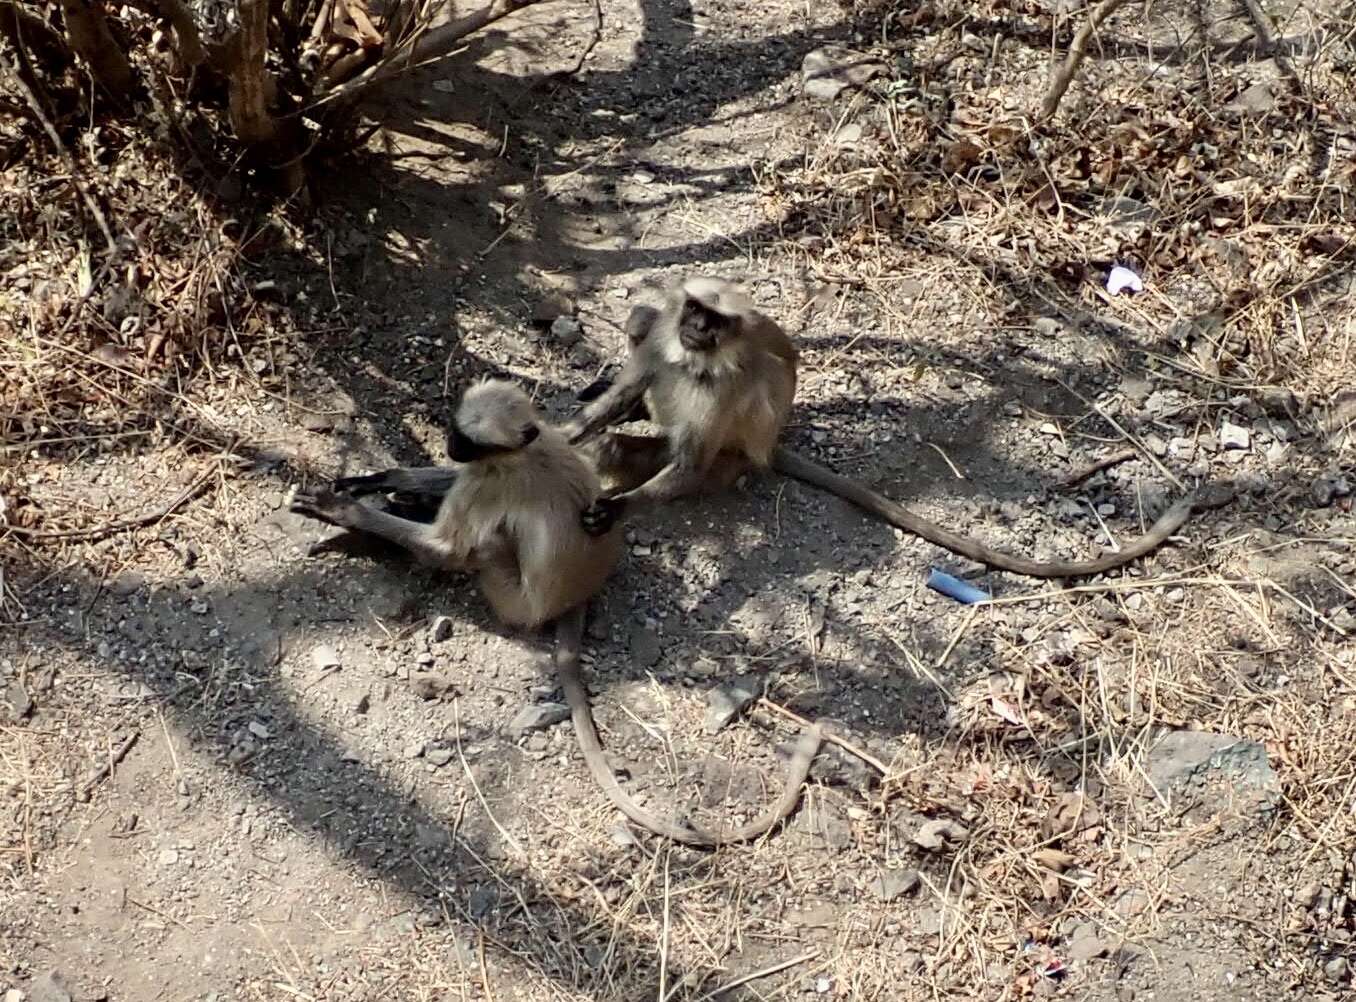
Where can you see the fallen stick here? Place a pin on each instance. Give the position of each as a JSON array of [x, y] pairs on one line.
[[122, 525], [1097, 466], [104, 771]]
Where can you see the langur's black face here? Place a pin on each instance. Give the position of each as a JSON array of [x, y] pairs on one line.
[[462, 448], [702, 329]]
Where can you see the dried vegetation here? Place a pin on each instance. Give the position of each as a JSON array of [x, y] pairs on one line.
[[1216, 161]]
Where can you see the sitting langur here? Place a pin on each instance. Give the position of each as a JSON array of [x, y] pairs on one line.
[[509, 511], [718, 377]]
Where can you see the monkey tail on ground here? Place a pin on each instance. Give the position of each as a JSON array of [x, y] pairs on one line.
[[569, 642], [807, 470]]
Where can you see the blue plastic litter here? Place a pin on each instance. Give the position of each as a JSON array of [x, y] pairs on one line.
[[955, 588]]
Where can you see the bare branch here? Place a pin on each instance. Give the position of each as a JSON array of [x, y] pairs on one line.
[[1077, 50], [424, 47], [89, 35], [249, 78], [33, 38]]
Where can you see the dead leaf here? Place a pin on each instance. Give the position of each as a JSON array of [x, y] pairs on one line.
[[115, 355], [1053, 859], [960, 155]]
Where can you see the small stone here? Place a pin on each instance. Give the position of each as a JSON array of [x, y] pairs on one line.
[[49, 987], [1327, 489], [1013, 408], [1085, 945], [937, 835], [645, 649], [890, 884], [324, 657], [1256, 100], [1336, 969], [414, 750], [440, 630], [725, 702], [437, 754], [1232, 436], [1131, 903], [127, 583], [444, 86], [259, 730], [430, 685], [954, 380], [21, 705], [14, 995], [566, 331], [168, 857], [1048, 326], [621, 837], [538, 716], [829, 70]]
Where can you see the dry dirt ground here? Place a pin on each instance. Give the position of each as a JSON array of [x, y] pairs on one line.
[[328, 793]]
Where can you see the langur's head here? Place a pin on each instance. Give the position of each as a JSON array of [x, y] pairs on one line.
[[493, 418], [710, 313]]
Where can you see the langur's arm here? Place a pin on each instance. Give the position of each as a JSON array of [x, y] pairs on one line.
[[419, 539], [619, 399], [434, 481]]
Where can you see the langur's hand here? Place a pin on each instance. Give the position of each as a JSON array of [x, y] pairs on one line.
[[599, 517], [328, 507]]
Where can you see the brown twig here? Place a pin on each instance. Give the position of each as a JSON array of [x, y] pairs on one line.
[[106, 769], [122, 525], [1096, 466], [1266, 34], [1066, 72], [829, 736]]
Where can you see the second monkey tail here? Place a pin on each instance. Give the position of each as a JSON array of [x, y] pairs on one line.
[[569, 643], [810, 472]]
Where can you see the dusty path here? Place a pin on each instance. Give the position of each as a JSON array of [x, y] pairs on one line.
[[329, 796]]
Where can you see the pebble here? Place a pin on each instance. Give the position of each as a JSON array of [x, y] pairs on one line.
[[566, 331], [1327, 489], [430, 685], [890, 884], [936, 835], [437, 754], [49, 987], [1232, 436], [725, 702], [440, 630], [168, 857], [645, 648], [323, 657], [538, 716], [127, 583], [18, 699], [259, 730]]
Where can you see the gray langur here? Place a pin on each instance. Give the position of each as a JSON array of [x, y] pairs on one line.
[[718, 377], [509, 511]]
